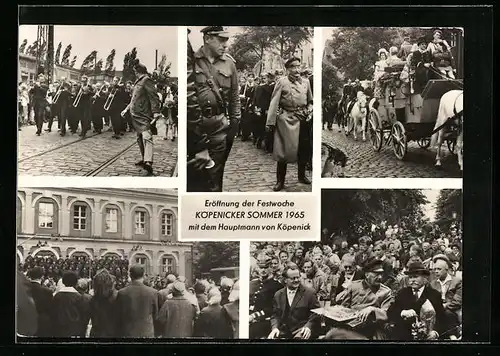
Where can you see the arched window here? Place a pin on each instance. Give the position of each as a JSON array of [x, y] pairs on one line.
[[81, 219], [46, 216], [167, 226], [112, 221], [167, 265], [19, 215], [142, 260], [140, 227]]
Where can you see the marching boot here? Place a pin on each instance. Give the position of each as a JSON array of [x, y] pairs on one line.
[[302, 173], [280, 176]]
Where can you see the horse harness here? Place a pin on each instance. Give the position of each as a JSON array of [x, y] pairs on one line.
[[450, 120]]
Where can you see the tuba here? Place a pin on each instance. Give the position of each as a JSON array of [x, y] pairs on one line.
[[111, 97]]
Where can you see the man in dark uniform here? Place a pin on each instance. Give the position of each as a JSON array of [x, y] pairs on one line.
[[218, 96], [63, 104], [84, 107], [118, 104], [144, 109], [247, 114], [262, 291], [39, 94], [98, 111], [262, 99]]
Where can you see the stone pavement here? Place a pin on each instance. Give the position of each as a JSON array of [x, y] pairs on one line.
[[72, 156], [249, 169], [364, 162]]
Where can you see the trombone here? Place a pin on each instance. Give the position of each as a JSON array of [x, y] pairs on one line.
[[105, 85], [58, 93], [78, 97], [111, 96]]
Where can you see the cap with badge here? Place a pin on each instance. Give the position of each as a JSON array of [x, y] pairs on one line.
[[291, 61], [374, 265], [215, 31]]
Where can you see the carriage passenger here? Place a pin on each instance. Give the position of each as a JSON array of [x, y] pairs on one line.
[[441, 54], [420, 62], [379, 71]]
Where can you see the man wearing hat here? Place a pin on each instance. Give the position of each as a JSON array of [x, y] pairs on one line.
[[217, 89], [177, 314], [144, 108], [441, 54], [262, 291], [83, 110], [39, 95], [450, 289], [290, 115], [370, 298], [417, 302]]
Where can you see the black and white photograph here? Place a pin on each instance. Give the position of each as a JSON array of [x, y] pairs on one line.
[[107, 263], [392, 102], [97, 100], [388, 267], [249, 109]]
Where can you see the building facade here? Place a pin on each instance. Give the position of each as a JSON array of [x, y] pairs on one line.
[[137, 225], [28, 70]]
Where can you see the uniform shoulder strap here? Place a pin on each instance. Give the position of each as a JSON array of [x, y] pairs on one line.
[[212, 82]]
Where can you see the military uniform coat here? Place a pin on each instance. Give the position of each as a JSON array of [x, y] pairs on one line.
[[144, 103], [287, 97]]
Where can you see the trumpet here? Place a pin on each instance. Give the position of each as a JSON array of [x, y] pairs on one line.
[[111, 97], [78, 97]]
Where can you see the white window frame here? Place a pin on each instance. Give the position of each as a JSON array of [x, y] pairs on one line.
[[109, 221], [167, 225], [139, 221], [43, 214], [81, 219]]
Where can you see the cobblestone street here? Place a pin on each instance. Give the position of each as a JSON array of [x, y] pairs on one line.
[[364, 162], [96, 155], [249, 169]]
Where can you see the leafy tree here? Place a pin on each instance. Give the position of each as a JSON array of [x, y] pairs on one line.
[[66, 54], [208, 255], [449, 202], [249, 46], [129, 62], [110, 68], [57, 57], [73, 61], [32, 49], [351, 213], [23, 46], [89, 62], [286, 39]]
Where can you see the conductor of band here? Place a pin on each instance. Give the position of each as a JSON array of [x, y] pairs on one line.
[[144, 109], [289, 116]]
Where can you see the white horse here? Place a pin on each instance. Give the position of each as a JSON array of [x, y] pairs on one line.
[[358, 113], [450, 105]]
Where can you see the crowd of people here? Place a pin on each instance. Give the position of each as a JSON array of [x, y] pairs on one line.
[[105, 307], [403, 286]]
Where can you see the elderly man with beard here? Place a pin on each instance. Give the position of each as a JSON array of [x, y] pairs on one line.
[[289, 116], [262, 291], [292, 316], [450, 289], [371, 299], [417, 302]]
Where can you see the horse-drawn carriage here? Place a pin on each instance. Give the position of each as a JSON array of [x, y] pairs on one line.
[[402, 116]]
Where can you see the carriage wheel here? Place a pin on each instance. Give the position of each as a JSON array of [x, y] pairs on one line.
[[451, 143], [399, 140], [374, 130], [424, 142]]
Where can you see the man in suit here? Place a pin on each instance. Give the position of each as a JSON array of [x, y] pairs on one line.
[[137, 306], [347, 276], [26, 313], [450, 289], [292, 316], [43, 301], [410, 301], [144, 109], [364, 254], [379, 250]]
